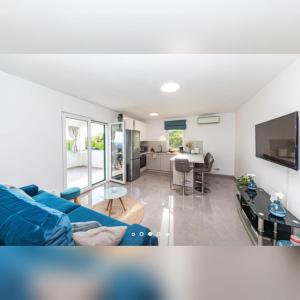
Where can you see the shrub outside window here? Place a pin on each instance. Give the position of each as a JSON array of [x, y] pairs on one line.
[[175, 139]]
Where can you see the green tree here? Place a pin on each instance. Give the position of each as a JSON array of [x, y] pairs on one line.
[[97, 142], [175, 138], [70, 144]]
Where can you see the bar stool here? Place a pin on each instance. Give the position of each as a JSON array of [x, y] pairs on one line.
[[208, 164], [182, 165]]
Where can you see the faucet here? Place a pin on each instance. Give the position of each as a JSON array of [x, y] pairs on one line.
[[159, 147]]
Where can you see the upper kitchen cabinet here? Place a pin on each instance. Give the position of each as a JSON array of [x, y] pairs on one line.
[[141, 126], [132, 124], [129, 123]]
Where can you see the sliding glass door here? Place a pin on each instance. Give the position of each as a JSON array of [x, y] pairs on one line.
[[98, 152], [117, 152], [84, 153], [77, 170]]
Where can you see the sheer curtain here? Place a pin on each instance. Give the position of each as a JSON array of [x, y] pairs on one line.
[[74, 134]]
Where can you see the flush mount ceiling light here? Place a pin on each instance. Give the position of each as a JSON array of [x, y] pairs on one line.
[[153, 114], [170, 87]]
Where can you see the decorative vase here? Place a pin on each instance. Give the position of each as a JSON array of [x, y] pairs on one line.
[[252, 185], [276, 209]]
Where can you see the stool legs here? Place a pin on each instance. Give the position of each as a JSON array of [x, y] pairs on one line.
[[77, 200], [183, 187], [204, 189]]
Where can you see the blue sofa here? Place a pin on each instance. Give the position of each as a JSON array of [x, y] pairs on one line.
[[136, 235]]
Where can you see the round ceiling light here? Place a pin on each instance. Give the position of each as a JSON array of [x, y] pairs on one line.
[[170, 87], [154, 114]]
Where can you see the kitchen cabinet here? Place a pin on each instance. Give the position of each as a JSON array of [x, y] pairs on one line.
[[159, 161], [141, 126], [129, 123], [153, 161], [165, 161], [132, 124]]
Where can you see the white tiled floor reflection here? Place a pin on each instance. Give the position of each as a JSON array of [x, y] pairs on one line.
[[209, 220]]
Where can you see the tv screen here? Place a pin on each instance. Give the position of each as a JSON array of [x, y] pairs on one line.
[[277, 141]]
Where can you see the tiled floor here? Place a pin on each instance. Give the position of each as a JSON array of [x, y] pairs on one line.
[[210, 220], [78, 176]]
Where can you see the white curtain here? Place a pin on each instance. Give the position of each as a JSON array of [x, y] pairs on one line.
[[74, 134]]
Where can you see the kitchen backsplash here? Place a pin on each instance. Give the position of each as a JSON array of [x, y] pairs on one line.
[[156, 145]]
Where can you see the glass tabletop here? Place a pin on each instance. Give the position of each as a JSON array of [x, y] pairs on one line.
[[115, 192], [259, 201]]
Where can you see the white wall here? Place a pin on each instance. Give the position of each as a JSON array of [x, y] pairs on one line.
[[219, 139], [31, 131], [280, 97]]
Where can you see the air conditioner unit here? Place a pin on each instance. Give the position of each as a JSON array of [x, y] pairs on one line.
[[209, 120]]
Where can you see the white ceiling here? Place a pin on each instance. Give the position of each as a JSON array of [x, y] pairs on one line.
[[131, 83], [153, 26]]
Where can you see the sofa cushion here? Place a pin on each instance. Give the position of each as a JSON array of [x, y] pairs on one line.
[[135, 235], [24, 222], [84, 214], [31, 190], [55, 202]]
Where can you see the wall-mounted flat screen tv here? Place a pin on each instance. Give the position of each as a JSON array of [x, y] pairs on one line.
[[277, 141]]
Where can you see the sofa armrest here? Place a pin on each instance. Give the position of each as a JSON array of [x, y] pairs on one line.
[[31, 190], [153, 241], [137, 235]]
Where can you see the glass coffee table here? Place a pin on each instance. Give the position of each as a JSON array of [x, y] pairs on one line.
[[113, 193]]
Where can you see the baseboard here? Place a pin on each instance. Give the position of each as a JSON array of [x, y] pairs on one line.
[[157, 172], [220, 175]]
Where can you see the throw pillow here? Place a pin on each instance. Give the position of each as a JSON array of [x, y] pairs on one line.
[[102, 236], [84, 226]]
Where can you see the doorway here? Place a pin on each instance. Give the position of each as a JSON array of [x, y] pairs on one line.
[[85, 152], [117, 152]]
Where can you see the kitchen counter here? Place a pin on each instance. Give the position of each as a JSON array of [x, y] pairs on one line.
[[177, 177], [193, 158], [149, 152]]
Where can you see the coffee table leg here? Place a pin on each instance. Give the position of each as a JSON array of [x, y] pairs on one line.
[[122, 203], [110, 208], [108, 204]]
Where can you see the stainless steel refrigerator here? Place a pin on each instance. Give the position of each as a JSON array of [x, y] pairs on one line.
[[133, 164]]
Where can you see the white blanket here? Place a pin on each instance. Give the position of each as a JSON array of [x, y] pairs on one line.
[[101, 236]]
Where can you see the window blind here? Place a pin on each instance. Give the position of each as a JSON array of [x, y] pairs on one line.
[[175, 125]]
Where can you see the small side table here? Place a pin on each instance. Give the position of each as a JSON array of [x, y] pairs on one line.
[[113, 193]]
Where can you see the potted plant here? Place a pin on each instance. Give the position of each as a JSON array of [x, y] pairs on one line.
[[247, 180]]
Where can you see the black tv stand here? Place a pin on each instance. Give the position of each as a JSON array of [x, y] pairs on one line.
[[263, 228]]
